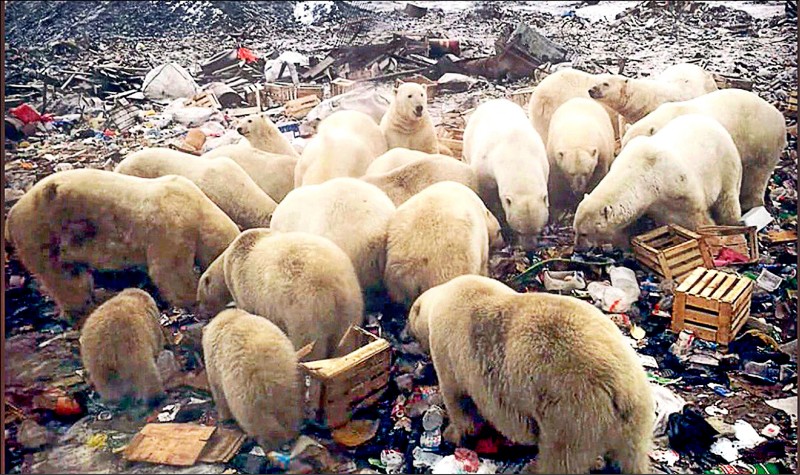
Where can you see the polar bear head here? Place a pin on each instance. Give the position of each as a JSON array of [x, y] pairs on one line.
[[610, 89], [578, 164], [257, 126], [410, 101], [526, 214], [212, 291]]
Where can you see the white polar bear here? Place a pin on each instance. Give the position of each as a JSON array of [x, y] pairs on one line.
[[635, 98], [558, 88], [689, 173], [396, 158], [346, 144], [510, 160], [272, 172], [351, 213], [263, 134], [407, 123], [757, 128], [580, 148]]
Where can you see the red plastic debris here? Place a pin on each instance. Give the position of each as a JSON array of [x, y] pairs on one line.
[[28, 114], [729, 256], [246, 55], [468, 460]]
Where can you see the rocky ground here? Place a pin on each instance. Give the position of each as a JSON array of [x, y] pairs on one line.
[[56, 423]]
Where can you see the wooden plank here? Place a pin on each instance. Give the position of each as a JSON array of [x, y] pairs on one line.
[[680, 248], [702, 283], [686, 233], [330, 368], [702, 332], [734, 293], [724, 327], [663, 242], [744, 299], [690, 281], [693, 262], [695, 301], [648, 236], [664, 265], [713, 285], [169, 444], [695, 316], [729, 281], [646, 258], [222, 446]]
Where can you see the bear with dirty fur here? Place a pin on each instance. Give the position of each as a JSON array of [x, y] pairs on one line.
[[510, 161], [345, 145], [120, 343], [263, 134], [304, 284], [408, 123], [77, 220], [689, 173], [222, 180], [542, 369], [580, 148], [396, 158], [272, 172], [556, 89], [351, 213], [440, 233], [757, 128], [635, 98], [253, 375], [403, 182]]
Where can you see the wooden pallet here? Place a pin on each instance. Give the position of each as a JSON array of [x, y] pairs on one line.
[[713, 304], [300, 107], [338, 387], [281, 93], [741, 239], [671, 251], [341, 86], [452, 139]]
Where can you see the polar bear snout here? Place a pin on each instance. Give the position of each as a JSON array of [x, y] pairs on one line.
[[595, 92], [418, 111]]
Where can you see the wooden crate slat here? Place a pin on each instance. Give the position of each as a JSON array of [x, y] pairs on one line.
[[683, 259], [686, 233], [706, 318], [738, 289], [648, 260], [702, 332], [701, 284], [670, 251], [730, 281], [699, 302], [679, 273], [649, 236], [740, 320], [713, 285], [690, 281], [680, 248], [744, 299], [664, 241]]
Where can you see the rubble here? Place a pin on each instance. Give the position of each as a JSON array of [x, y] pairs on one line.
[[77, 96]]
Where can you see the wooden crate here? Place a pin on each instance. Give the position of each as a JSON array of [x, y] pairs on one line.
[[430, 86], [452, 139], [741, 239], [280, 92], [341, 86], [337, 387], [671, 251], [256, 96], [713, 304], [300, 107], [522, 96], [204, 99]]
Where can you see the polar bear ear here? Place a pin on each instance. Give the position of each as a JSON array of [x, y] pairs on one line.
[[607, 212], [594, 152]]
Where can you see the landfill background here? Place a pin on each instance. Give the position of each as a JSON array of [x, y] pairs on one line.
[[80, 92]]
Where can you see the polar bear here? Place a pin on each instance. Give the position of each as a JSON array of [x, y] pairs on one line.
[[263, 134], [253, 373], [120, 342], [351, 213], [304, 284], [580, 148], [396, 158], [442, 232], [222, 180], [406, 181], [556, 89], [272, 172], [407, 123], [346, 144], [757, 128], [510, 161], [77, 220], [635, 98], [689, 173], [542, 369]]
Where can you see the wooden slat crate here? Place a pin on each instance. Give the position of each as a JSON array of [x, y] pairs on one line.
[[452, 139], [522, 96], [341, 86], [337, 387], [671, 251], [283, 92], [430, 86], [713, 304], [300, 107], [256, 96], [741, 239], [204, 99], [791, 105]]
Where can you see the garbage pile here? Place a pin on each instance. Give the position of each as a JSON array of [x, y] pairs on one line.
[[720, 408]]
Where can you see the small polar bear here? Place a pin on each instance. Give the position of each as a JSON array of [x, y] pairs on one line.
[[90, 219], [396, 158], [351, 213], [442, 232], [689, 173], [558, 88], [757, 128], [263, 134], [635, 98], [510, 161], [346, 144], [580, 148], [403, 182], [407, 123], [304, 284], [120, 342], [542, 369], [222, 180], [252, 371], [272, 172]]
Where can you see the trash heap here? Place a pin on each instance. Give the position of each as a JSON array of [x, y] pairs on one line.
[[74, 102]]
